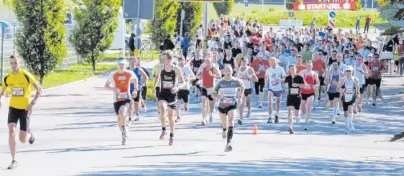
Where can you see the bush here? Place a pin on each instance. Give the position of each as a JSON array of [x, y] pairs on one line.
[[271, 9]]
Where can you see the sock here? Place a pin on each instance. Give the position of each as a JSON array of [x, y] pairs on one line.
[[229, 135], [171, 135], [163, 128]]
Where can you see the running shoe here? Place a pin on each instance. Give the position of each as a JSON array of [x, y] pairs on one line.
[[248, 114], [276, 119], [373, 104], [178, 119], [171, 141], [260, 106], [163, 133], [13, 165], [224, 134], [397, 137], [240, 122], [32, 138], [305, 127], [203, 123], [228, 148], [290, 129], [269, 120], [137, 117], [211, 118], [333, 121]]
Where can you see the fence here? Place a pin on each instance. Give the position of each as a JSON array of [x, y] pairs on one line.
[[8, 47]]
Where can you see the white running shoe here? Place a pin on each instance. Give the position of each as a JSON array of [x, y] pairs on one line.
[[137, 117]]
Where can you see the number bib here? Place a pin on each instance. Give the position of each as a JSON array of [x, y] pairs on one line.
[[348, 94], [294, 91], [168, 84], [18, 91], [228, 101], [375, 69], [123, 95]]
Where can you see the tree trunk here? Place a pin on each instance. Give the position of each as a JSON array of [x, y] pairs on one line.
[[93, 61], [41, 78]]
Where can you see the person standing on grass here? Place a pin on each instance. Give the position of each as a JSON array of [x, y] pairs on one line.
[[367, 24]]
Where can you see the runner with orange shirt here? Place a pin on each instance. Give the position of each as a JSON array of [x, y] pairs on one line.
[[299, 64], [119, 82]]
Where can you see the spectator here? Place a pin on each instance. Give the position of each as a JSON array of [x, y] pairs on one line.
[[132, 44]]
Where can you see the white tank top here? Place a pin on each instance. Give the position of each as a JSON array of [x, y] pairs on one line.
[[245, 77], [360, 75], [349, 90]]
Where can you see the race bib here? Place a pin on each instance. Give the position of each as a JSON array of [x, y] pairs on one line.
[[228, 101], [122, 78], [294, 91], [168, 84], [375, 69], [349, 91], [317, 72], [123, 95], [17, 91]]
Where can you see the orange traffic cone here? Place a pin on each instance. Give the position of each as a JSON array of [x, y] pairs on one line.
[[255, 129]]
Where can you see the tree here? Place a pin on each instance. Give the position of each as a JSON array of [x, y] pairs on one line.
[[193, 14], [392, 11], [224, 7], [165, 20], [97, 21], [41, 40]]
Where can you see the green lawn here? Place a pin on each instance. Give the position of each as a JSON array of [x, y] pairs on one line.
[[146, 56], [75, 73]]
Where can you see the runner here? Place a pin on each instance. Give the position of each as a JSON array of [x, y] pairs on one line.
[[168, 75], [195, 65], [376, 68], [230, 91], [319, 66], [119, 82], [141, 78], [144, 87], [20, 109], [360, 71], [299, 64], [312, 82], [207, 72], [348, 93], [247, 75], [260, 65], [274, 76], [294, 83], [332, 79], [155, 76], [183, 93]]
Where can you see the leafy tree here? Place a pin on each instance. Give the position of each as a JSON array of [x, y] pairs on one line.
[[358, 4], [41, 41], [392, 11], [289, 4], [224, 7], [165, 20], [193, 14], [97, 21]]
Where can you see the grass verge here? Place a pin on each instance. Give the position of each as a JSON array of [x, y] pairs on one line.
[[75, 73], [146, 56]]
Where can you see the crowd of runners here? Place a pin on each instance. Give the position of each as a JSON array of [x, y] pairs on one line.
[[235, 63]]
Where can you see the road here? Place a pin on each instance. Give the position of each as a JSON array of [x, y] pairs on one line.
[[76, 134]]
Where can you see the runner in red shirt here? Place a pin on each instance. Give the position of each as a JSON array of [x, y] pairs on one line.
[[311, 80], [260, 65], [376, 68]]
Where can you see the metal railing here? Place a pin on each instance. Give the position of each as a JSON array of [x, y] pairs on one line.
[[8, 47]]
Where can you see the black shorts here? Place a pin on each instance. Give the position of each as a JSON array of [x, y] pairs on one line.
[[117, 105], [183, 95], [170, 98], [332, 96], [157, 91], [247, 92], [205, 94], [294, 101], [321, 81], [306, 96], [137, 96], [19, 114], [144, 92], [366, 82], [227, 109], [362, 89], [376, 82], [259, 86], [194, 82], [345, 105], [198, 42]]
